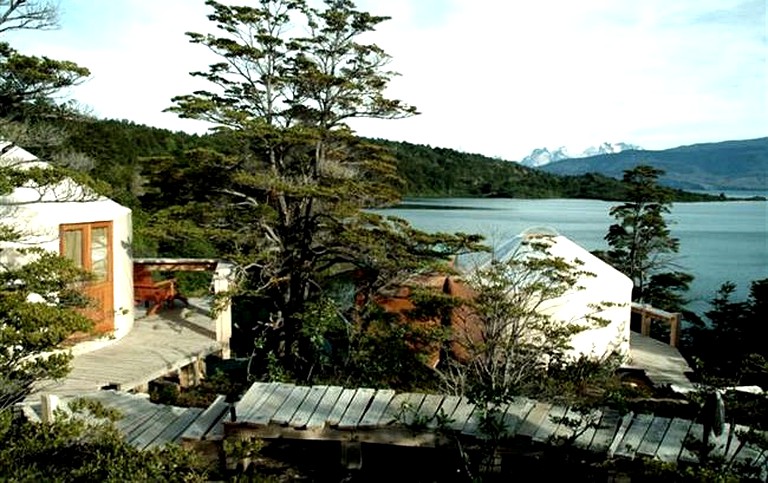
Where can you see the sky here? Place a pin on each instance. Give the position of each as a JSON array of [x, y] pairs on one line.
[[495, 77]]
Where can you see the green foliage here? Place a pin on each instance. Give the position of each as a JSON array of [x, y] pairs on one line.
[[28, 82], [441, 172], [369, 348], [640, 243], [285, 200], [36, 316], [510, 342], [74, 449], [729, 350]]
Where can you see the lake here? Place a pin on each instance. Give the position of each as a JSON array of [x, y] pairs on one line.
[[719, 241]]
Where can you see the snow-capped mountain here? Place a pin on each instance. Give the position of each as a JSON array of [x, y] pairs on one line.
[[542, 156]]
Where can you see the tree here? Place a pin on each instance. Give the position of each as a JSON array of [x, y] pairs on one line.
[[640, 243], [28, 80], [505, 335], [27, 15], [287, 202], [508, 342], [28, 83], [36, 316], [729, 351]]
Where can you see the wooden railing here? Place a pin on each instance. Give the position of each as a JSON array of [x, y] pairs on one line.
[[649, 314]]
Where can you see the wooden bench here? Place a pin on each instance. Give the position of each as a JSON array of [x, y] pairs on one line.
[[154, 294]]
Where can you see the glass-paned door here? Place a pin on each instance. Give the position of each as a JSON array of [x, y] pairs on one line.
[[89, 246]]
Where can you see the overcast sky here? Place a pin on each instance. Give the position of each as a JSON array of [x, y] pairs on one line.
[[497, 77]]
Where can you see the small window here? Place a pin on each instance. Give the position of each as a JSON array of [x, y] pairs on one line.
[[72, 246]]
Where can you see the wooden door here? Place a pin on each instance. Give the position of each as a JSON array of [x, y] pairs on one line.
[[89, 246]]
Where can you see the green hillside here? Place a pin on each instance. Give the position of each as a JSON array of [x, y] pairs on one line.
[[119, 150]]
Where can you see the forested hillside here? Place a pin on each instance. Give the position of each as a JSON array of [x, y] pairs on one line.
[[119, 150]]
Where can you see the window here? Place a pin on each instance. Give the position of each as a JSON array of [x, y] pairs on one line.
[[87, 245]]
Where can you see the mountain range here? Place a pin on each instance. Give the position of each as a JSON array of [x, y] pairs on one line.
[[728, 165], [542, 156]]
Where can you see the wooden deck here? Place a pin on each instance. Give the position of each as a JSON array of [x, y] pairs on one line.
[[285, 411], [662, 363], [157, 345], [146, 425]]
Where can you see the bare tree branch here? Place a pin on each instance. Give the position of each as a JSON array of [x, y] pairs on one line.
[[28, 15]]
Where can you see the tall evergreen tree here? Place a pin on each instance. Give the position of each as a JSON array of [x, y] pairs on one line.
[[641, 244], [287, 203]]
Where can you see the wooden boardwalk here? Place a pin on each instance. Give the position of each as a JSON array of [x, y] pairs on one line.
[[147, 425], [157, 345], [662, 363], [285, 411]]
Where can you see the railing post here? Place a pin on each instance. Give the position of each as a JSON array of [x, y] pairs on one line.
[[48, 405], [645, 323], [221, 279], [674, 330]]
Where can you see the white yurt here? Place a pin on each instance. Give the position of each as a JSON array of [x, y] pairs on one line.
[[93, 231], [600, 293]]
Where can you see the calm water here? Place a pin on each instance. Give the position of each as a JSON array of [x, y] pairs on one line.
[[718, 241]]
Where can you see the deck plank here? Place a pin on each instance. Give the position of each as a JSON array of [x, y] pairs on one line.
[[672, 444], [549, 425], [357, 407], [301, 418], [632, 439], [448, 406], [566, 430], [588, 429], [132, 411], [152, 430], [216, 433], [515, 414], [653, 438], [461, 414], [662, 363], [411, 407], [250, 403], [155, 346], [380, 401], [695, 433], [393, 411], [263, 415], [749, 454], [200, 426], [720, 442], [429, 408], [341, 407], [626, 421], [136, 424], [734, 447], [324, 407], [290, 406], [534, 420], [472, 426], [172, 431], [605, 431]]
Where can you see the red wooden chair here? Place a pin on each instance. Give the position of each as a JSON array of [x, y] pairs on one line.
[[154, 294]]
